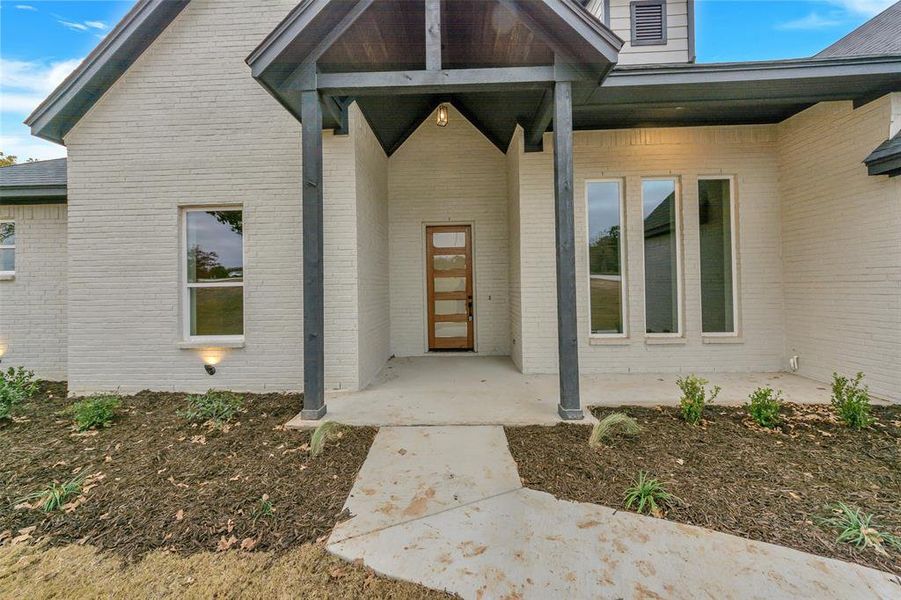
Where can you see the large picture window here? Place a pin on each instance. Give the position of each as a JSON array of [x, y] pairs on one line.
[[715, 225], [605, 257], [662, 258], [7, 248], [214, 262]]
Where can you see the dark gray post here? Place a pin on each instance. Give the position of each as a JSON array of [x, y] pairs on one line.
[[313, 288], [567, 329]]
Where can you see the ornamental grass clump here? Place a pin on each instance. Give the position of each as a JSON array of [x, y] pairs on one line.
[[856, 527], [764, 405], [647, 495], [613, 424], [55, 495], [216, 407], [851, 400], [16, 386], [325, 432], [95, 411], [695, 397]]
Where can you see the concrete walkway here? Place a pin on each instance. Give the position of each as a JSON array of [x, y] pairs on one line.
[[444, 507]]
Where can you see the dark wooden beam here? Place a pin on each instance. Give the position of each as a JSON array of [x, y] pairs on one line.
[[570, 406], [313, 286], [337, 109], [435, 82], [534, 132], [433, 35]]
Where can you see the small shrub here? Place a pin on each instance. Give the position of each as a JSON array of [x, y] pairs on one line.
[[851, 400], [218, 407], [95, 411], [55, 495], [855, 527], [694, 397], [16, 386], [764, 405], [611, 425], [263, 508], [647, 495], [323, 433]]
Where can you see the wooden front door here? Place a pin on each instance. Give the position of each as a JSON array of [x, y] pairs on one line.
[[449, 275]]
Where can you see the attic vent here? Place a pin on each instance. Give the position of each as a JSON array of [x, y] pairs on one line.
[[648, 22]]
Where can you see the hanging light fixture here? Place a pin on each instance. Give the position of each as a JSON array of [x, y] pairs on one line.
[[441, 119]]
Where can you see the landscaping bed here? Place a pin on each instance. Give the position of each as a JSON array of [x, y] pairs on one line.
[[733, 476]]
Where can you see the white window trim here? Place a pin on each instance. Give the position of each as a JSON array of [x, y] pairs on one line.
[[680, 304], [186, 287], [624, 283], [8, 274], [733, 224]]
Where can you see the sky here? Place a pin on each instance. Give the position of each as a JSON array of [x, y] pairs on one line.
[[43, 41]]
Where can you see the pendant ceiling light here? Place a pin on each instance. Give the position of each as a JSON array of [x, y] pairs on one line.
[[441, 119]]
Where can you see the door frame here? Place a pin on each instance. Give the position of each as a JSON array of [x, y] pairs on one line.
[[424, 304]]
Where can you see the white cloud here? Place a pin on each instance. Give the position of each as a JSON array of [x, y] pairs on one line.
[[96, 24], [26, 7], [72, 25], [866, 8], [811, 22], [24, 84], [25, 146]]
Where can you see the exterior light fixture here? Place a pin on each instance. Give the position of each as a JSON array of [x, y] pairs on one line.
[[211, 357], [441, 119], [210, 369]]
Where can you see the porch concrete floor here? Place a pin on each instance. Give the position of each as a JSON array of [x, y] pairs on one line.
[[444, 507], [451, 389]]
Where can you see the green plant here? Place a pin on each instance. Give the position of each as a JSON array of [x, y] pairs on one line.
[[851, 400], [764, 405], [263, 508], [611, 425], [856, 527], [323, 433], [56, 494], [647, 495], [95, 411], [16, 386], [694, 397], [218, 407]]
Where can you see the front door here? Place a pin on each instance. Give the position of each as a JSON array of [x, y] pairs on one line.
[[449, 275]]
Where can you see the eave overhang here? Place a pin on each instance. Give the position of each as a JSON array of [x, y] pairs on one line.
[[56, 115], [886, 158], [41, 194]]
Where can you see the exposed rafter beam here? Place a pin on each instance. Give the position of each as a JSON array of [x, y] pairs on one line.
[[435, 82], [337, 109], [433, 35], [534, 132]]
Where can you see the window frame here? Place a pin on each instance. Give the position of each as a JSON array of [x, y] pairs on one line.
[[680, 283], [623, 258], [12, 247], [733, 234], [186, 286]]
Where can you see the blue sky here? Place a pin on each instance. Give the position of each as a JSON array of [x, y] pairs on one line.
[[42, 41]]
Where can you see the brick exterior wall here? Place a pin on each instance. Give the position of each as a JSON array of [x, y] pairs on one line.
[[842, 245], [33, 304]]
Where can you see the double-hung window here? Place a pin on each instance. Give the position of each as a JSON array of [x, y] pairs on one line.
[[7, 248], [606, 265], [214, 273], [716, 226], [662, 257]]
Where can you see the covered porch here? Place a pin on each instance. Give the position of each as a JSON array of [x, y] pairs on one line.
[[490, 390]]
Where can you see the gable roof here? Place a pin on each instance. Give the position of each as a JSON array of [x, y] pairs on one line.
[[879, 35], [62, 109], [886, 158], [33, 182]]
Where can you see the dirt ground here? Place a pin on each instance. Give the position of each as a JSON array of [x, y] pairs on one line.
[[731, 475], [164, 496]]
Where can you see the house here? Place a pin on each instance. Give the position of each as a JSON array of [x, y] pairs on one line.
[[290, 193]]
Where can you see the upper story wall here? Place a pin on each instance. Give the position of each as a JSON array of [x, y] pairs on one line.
[[678, 16]]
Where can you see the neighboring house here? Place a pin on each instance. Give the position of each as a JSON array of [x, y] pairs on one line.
[[469, 147]]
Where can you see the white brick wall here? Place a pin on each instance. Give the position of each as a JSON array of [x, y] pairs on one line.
[[33, 305], [748, 153], [448, 175], [842, 245], [187, 125]]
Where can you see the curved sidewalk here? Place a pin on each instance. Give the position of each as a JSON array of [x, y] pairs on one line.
[[444, 507]]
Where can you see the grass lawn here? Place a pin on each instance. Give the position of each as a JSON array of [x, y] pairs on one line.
[[168, 507], [732, 476]]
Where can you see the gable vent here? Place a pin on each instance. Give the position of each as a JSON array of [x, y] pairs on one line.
[[648, 22]]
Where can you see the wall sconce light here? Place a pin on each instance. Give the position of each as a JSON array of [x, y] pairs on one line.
[[441, 119], [211, 357], [210, 369]]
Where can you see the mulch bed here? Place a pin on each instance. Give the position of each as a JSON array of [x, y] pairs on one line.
[[158, 481], [733, 476]]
